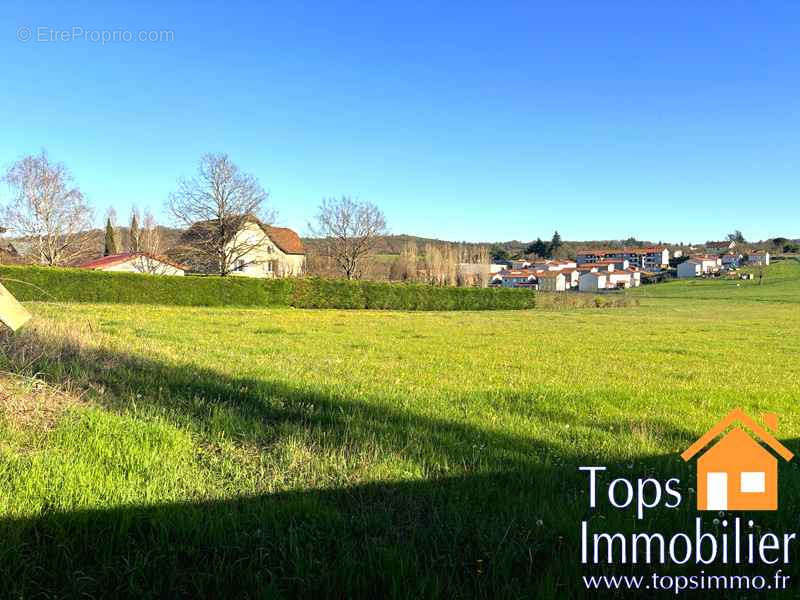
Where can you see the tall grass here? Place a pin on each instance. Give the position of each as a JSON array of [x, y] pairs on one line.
[[278, 452]]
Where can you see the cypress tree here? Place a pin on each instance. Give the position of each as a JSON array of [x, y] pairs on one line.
[[135, 242], [111, 240]]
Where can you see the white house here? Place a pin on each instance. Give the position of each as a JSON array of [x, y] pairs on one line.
[[720, 247], [551, 281], [614, 264], [515, 278], [652, 258], [690, 268], [731, 260], [758, 258], [571, 277], [595, 281], [592, 281], [618, 279], [260, 250], [699, 265], [554, 264], [136, 262]]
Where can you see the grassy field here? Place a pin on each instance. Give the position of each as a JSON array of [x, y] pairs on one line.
[[280, 452]]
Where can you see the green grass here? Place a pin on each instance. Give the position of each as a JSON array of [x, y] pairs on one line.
[[282, 452]]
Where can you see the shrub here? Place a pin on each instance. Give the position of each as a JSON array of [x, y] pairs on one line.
[[30, 283], [76, 285]]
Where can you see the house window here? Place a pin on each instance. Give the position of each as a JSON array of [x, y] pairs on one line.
[[240, 265], [753, 482]]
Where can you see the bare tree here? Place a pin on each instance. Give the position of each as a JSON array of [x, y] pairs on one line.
[[47, 211], [111, 215], [405, 266], [149, 243], [350, 230], [215, 205]]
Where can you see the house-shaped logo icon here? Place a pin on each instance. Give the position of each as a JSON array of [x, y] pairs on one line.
[[737, 473]]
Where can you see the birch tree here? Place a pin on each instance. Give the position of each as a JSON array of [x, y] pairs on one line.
[[47, 211]]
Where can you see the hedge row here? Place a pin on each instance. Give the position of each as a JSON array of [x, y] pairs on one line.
[[340, 293], [29, 283]]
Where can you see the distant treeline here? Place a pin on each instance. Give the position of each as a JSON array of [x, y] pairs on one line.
[[30, 283]]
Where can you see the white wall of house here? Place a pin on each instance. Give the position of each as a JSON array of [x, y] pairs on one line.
[[553, 284], [689, 268], [144, 265], [618, 279], [758, 259], [264, 259], [571, 277], [592, 281]]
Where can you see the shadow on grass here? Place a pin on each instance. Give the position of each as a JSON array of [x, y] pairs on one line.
[[506, 525]]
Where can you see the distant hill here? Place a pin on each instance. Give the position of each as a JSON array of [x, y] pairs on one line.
[[393, 244]]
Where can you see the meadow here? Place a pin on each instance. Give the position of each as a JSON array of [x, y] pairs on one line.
[[155, 451]]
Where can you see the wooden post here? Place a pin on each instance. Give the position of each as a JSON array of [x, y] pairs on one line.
[[12, 314]]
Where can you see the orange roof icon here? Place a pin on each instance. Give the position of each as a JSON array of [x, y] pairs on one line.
[[738, 415], [737, 472]]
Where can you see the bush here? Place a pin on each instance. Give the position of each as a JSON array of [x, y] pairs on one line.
[[30, 283]]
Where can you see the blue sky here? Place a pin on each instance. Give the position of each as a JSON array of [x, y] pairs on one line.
[[476, 121]]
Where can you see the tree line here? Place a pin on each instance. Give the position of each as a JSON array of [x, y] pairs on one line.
[[50, 213], [539, 248]]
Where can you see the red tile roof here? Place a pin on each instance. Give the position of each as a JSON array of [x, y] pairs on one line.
[[626, 250], [118, 259], [286, 239], [703, 257]]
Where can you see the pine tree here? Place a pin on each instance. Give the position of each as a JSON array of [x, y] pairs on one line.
[[539, 248], [135, 241], [111, 240], [555, 243]]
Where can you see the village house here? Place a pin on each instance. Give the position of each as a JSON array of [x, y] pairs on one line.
[[136, 262], [731, 260], [593, 281], [690, 268], [618, 280], [514, 278], [551, 281], [8, 253], [589, 267], [520, 263], [554, 264], [571, 277], [653, 258], [264, 251], [609, 279], [759, 257], [614, 264], [701, 264], [720, 247]]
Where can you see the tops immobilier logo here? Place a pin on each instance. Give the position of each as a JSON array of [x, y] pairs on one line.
[[737, 472]]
